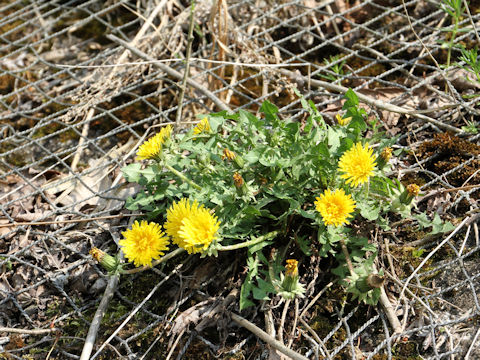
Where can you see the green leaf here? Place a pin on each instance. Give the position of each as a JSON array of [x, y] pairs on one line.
[[270, 112], [369, 211], [438, 226], [252, 156], [259, 246], [259, 294], [132, 172], [351, 99], [215, 122], [322, 149], [304, 244], [333, 139], [245, 291], [423, 220], [150, 172]]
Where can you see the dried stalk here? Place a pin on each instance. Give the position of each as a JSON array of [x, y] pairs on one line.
[[97, 319], [171, 72], [265, 337], [178, 117], [27, 331]]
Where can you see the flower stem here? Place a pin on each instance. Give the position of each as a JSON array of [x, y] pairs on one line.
[[347, 256], [154, 263], [183, 177], [268, 236]]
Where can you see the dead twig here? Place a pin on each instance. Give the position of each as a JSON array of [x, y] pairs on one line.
[[368, 100], [433, 252], [71, 221], [97, 318], [265, 337], [27, 331], [81, 141], [282, 320], [183, 87], [139, 306]]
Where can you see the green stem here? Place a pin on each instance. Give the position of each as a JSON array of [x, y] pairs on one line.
[[268, 236], [183, 177]]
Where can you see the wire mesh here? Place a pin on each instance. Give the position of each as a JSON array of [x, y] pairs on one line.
[[72, 114]]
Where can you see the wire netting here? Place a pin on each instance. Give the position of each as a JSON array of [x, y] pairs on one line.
[[75, 102]]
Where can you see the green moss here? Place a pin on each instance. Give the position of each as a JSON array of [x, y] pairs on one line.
[[16, 158]]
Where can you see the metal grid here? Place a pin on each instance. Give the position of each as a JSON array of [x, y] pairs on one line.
[[69, 122]]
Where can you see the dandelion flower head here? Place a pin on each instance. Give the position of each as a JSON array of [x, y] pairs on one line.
[[335, 207], [291, 269], [343, 121], [191, 226], [175, 215], [198, 231], [151, 148], [143, 243], [202, 126], [357, 164]]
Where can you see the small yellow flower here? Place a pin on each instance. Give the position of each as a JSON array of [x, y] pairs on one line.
[[335, 207], [357, 164], [202, 126], [191, 226], [343, 121], [151, 148], [227, 154], [143, 243], [291, 269]]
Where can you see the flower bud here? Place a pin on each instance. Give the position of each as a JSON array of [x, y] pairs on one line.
[[384, 157], [290, 286], [409, 194], [238, 180], [110, 263], [227, 154], [239, 161], [367, 283]]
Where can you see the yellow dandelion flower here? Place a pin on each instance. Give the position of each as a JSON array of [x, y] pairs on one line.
[[191, 226], [143, 243], [291, 269], [202, 126], [198, 231], [343, 121], [335, 207], [357, 164], [175, 215], [151, 148]]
